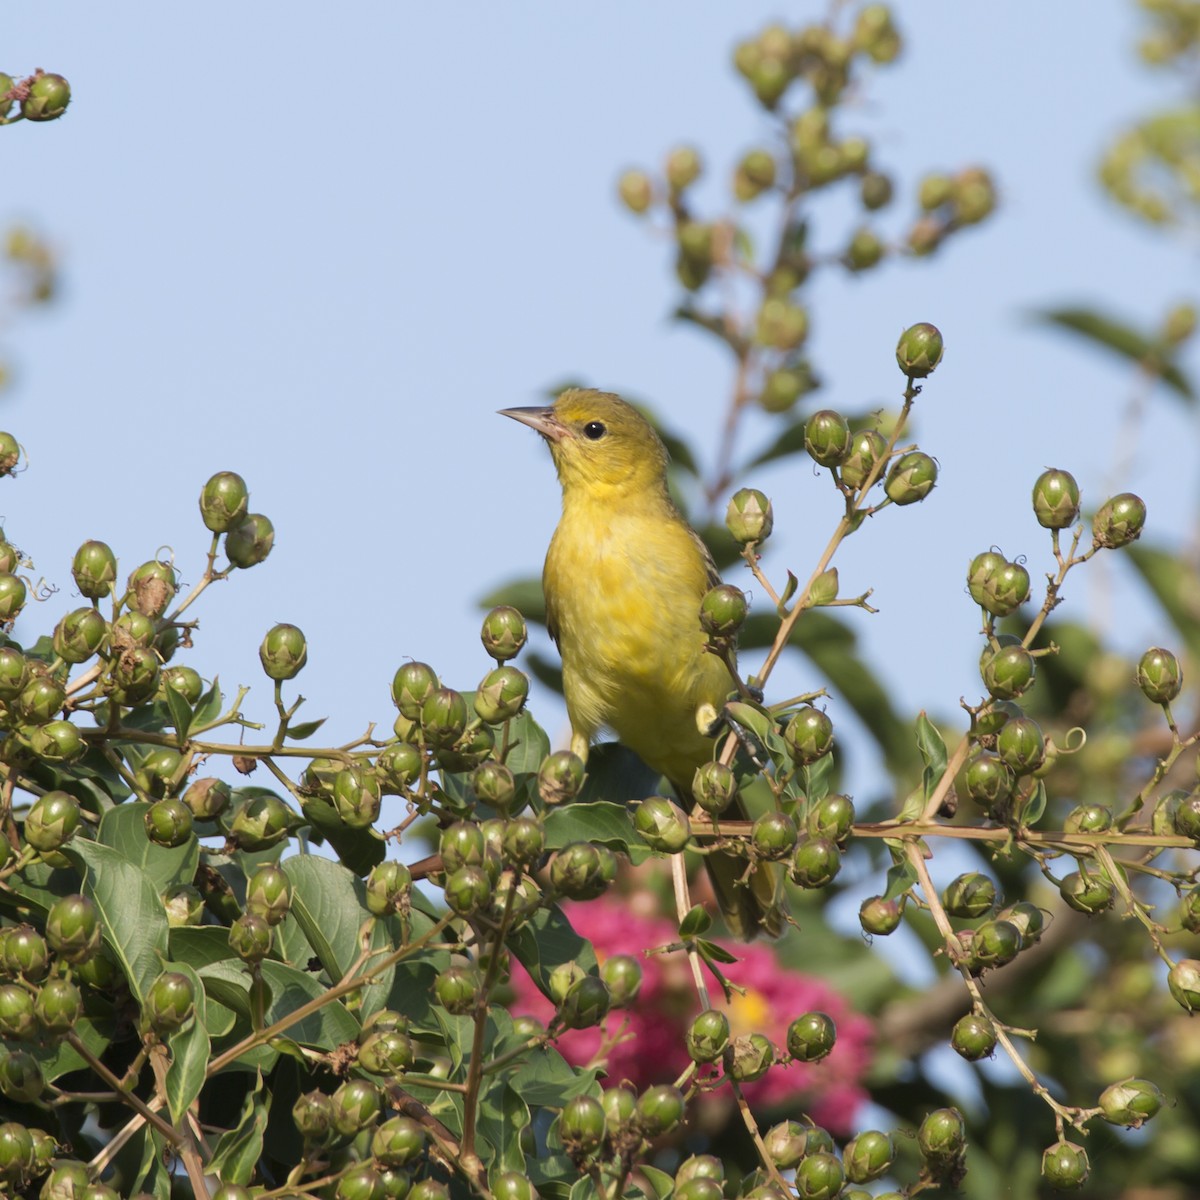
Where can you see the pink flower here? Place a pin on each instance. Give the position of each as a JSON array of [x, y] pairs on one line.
[[644, 1045]]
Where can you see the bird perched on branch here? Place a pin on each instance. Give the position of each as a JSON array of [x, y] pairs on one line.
[[624, 579]]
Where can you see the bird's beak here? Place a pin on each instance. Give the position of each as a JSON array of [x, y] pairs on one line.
[[544, 420]]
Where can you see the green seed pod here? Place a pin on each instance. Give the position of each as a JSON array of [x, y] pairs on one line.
[[723, 611], [168, 822], [815, 863], [586, 1004], [59, 1006], [151, 588], [412, 685], [811, 1037], [875, 191], [14, 673], [866, 250], [560, 777], [683, 167], [781, 325], [386, 1052], [12, 596], [619, 1104], [398, 767], [1088, 818], [40, 699], [495, 785], [974, 196], [1131, 1103], [1088, 894], [73, 928], [708, 1036], [562, 979], [1056, 499], [636, 191], [786, 1144], [1119, 521], [184, 905], [911, 478], [94, 569], [56, 742], [170, 1003], [444, 716], [79, 635], [52, 822], [659, 1110], [21, 1077], [6, 85], [867, 447], [1021, 745], [934, 190], [784, 386], [18, 1021], [581, 1126], [1159, 675], [622, 975], [249, 540], [942, 1138], [879, 917], [868, 1156], [1184, 981], [524, 841], [809, 736], [158, 774], [260, 823], [714, 787], [207, 798], [819, 1177], [185, 681], [920, 350], [1028, 918], [397, 1142], [827, 438], [356, 1107], [988, 781], [224, 501], [996, 943], [16, 1153], [283, 652], [461, 845], [973, 1037], [754, 175], [1008, 672], [1065, 1166], [23, 952], [357, 796], [979, 573], [135, 675], [269, 893], [389, 886], [749, 1057], [773, 835], [360, 1183], [467, 890], [512, 1185], [578, 873], [749, 517], [699, 1189], [830, 817], [501, 695], [132, 630], [1189, 911], [662, 825], [47, 98], [1005, 589], [250, 937], [504, 633], [970, 896], [700, 1166]]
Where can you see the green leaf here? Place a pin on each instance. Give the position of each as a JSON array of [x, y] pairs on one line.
[[713, 952], [123, 828], [180, 710], [153, 1177], [357, 849], [695, 922], [131, 912], [59, 1057], [710, 323], [608, 824], [189, 1054], [525, 595], [329, 904], [661, 1184], [325, 1028], [617, 775], [304, 729], [546, 1080], [901, 877], [931, 745], [1033, 808], [547, 941], [238, 1150], [528, 745], [1113, 334], [1175, 586], [552, 1175], [208, 707], [503, 1116]]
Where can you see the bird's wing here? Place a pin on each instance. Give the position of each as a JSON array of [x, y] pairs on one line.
[[713, 576]]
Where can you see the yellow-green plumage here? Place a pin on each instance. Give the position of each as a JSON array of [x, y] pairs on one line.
[[624, 578]]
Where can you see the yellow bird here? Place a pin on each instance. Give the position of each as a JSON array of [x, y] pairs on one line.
[[624, 578]]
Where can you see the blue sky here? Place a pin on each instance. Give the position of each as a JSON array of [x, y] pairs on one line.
[[323, 249]]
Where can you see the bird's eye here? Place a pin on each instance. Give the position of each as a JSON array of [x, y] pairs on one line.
[[594, 430]]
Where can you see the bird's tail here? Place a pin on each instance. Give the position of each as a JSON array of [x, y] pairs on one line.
[[755, 906]]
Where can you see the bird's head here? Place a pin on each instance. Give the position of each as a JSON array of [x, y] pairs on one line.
[[598, 442]]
